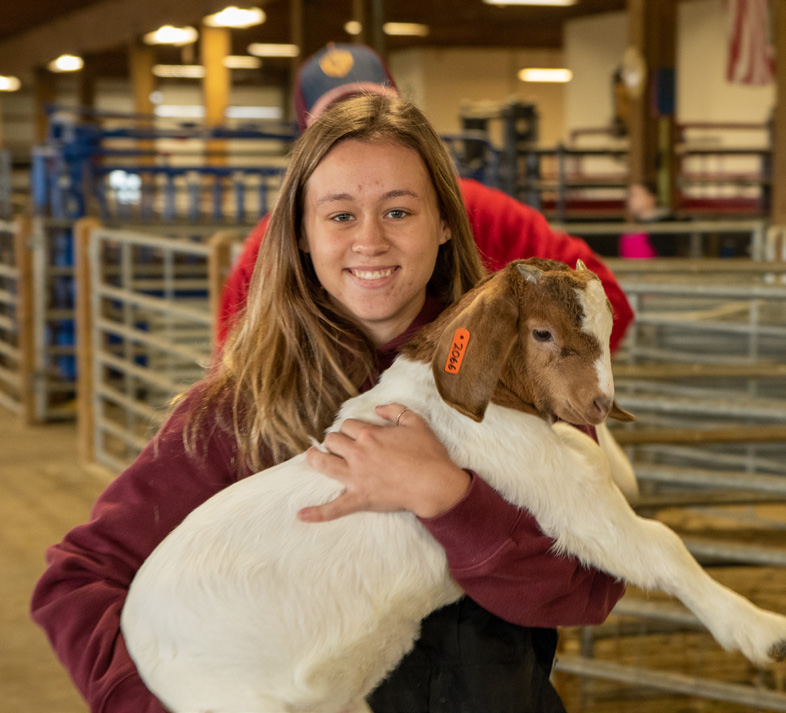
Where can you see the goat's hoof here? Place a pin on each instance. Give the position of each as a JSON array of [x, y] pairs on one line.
[[777, 651]]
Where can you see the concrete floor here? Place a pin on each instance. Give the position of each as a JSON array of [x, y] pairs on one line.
[[44, 493]]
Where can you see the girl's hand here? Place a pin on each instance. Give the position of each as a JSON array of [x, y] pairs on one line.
[[387, 468]]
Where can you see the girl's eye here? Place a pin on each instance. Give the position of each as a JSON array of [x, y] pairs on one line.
[[342, 217], [542, 335], [397, 213]]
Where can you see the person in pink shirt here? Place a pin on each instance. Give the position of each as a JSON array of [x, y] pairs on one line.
[[368, 242], [642, 205]]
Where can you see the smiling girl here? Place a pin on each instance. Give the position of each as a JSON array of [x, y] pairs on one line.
[[368, 242]]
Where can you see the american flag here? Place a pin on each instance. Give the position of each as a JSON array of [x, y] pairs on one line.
[[751, 53]]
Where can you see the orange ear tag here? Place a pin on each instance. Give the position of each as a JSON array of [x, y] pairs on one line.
[[458, 348]]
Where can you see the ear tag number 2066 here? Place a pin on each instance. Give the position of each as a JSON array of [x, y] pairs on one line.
[[458, 347]]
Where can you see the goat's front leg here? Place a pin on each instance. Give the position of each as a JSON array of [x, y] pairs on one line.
[[603, 531]]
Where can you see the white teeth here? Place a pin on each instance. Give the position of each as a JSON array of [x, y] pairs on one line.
[[372, 274]]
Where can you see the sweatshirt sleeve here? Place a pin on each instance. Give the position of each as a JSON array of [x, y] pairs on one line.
[[79, 598], [506, 229], [234, 293], [502, 560]]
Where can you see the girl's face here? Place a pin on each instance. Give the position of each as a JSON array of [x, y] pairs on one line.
[[373, 229]]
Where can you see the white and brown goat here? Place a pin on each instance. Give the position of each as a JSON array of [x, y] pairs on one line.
[[245, 608]]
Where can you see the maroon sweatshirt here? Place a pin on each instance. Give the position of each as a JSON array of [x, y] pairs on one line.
[[496, 552]]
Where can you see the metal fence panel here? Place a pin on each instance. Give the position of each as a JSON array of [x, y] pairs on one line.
[[704, 369], [151, 333]]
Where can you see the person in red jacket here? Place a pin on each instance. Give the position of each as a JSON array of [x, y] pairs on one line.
[[503, 228], [386, 246]]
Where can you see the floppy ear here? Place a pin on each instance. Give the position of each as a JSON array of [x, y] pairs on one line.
[[474, 347], [620, 413]]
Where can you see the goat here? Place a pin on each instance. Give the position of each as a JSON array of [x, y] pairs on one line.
[[245, 608]]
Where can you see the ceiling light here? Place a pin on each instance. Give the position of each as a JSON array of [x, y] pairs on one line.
[[66, 63], [550, 3], [535, 74], [254, 112], [236, 61], [181, 111], [179, 71], [168, 35], [236, 17], [410, 29], [260, 49], [353, 27], [197, 71], [9, 84]]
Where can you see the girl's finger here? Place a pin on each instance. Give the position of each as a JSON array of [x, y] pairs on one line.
[[344, 504], [352, 428], [338, 442], [329, 464], [394, 413]]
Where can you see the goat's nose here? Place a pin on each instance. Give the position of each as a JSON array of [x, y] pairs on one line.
[[602, 404]]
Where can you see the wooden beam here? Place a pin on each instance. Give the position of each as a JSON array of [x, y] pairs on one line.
[[652, 29], [376, 18], [296, 37], [360, 16], [141, 58], [729, 434], [219, 264], [84, 341], [215, 48], [779, 134], [86, 82], [671, 372], [45, 92], [24, 315]]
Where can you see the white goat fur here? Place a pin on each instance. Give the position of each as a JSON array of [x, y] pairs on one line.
[[245, 608]]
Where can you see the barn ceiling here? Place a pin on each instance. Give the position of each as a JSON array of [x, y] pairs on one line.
[[29, 29]]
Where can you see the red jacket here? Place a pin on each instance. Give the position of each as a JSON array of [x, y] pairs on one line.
[[496, 552], [504, 230]]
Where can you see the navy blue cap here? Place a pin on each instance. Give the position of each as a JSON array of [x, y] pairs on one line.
[[338, 71]]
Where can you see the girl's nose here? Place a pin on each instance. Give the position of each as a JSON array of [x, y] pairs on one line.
[[370, 239]]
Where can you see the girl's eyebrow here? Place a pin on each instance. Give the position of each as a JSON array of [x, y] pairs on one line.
[[334, 197], [395, 193]]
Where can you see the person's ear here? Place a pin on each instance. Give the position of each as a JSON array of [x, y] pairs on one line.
[[302, 242], [445, 232]]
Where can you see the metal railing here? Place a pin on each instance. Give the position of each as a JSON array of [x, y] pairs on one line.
[[695, 237], [145, 301], [16, 295]]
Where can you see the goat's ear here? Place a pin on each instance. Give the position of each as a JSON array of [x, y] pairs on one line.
[[620, 413], [474, 347], [530, 272]]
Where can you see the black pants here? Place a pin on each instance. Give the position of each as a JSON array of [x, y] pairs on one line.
[[470, 661]]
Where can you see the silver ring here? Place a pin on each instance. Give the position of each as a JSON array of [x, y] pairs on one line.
[[400, 414]]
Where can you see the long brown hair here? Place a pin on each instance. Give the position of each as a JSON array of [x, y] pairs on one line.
[[292, 359]]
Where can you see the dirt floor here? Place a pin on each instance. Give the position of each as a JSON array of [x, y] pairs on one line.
[[44, 494]]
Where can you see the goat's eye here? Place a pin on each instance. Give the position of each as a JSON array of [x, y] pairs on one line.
[[542, 335]]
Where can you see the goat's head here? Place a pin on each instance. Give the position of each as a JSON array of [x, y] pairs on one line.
[[535, 337]]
